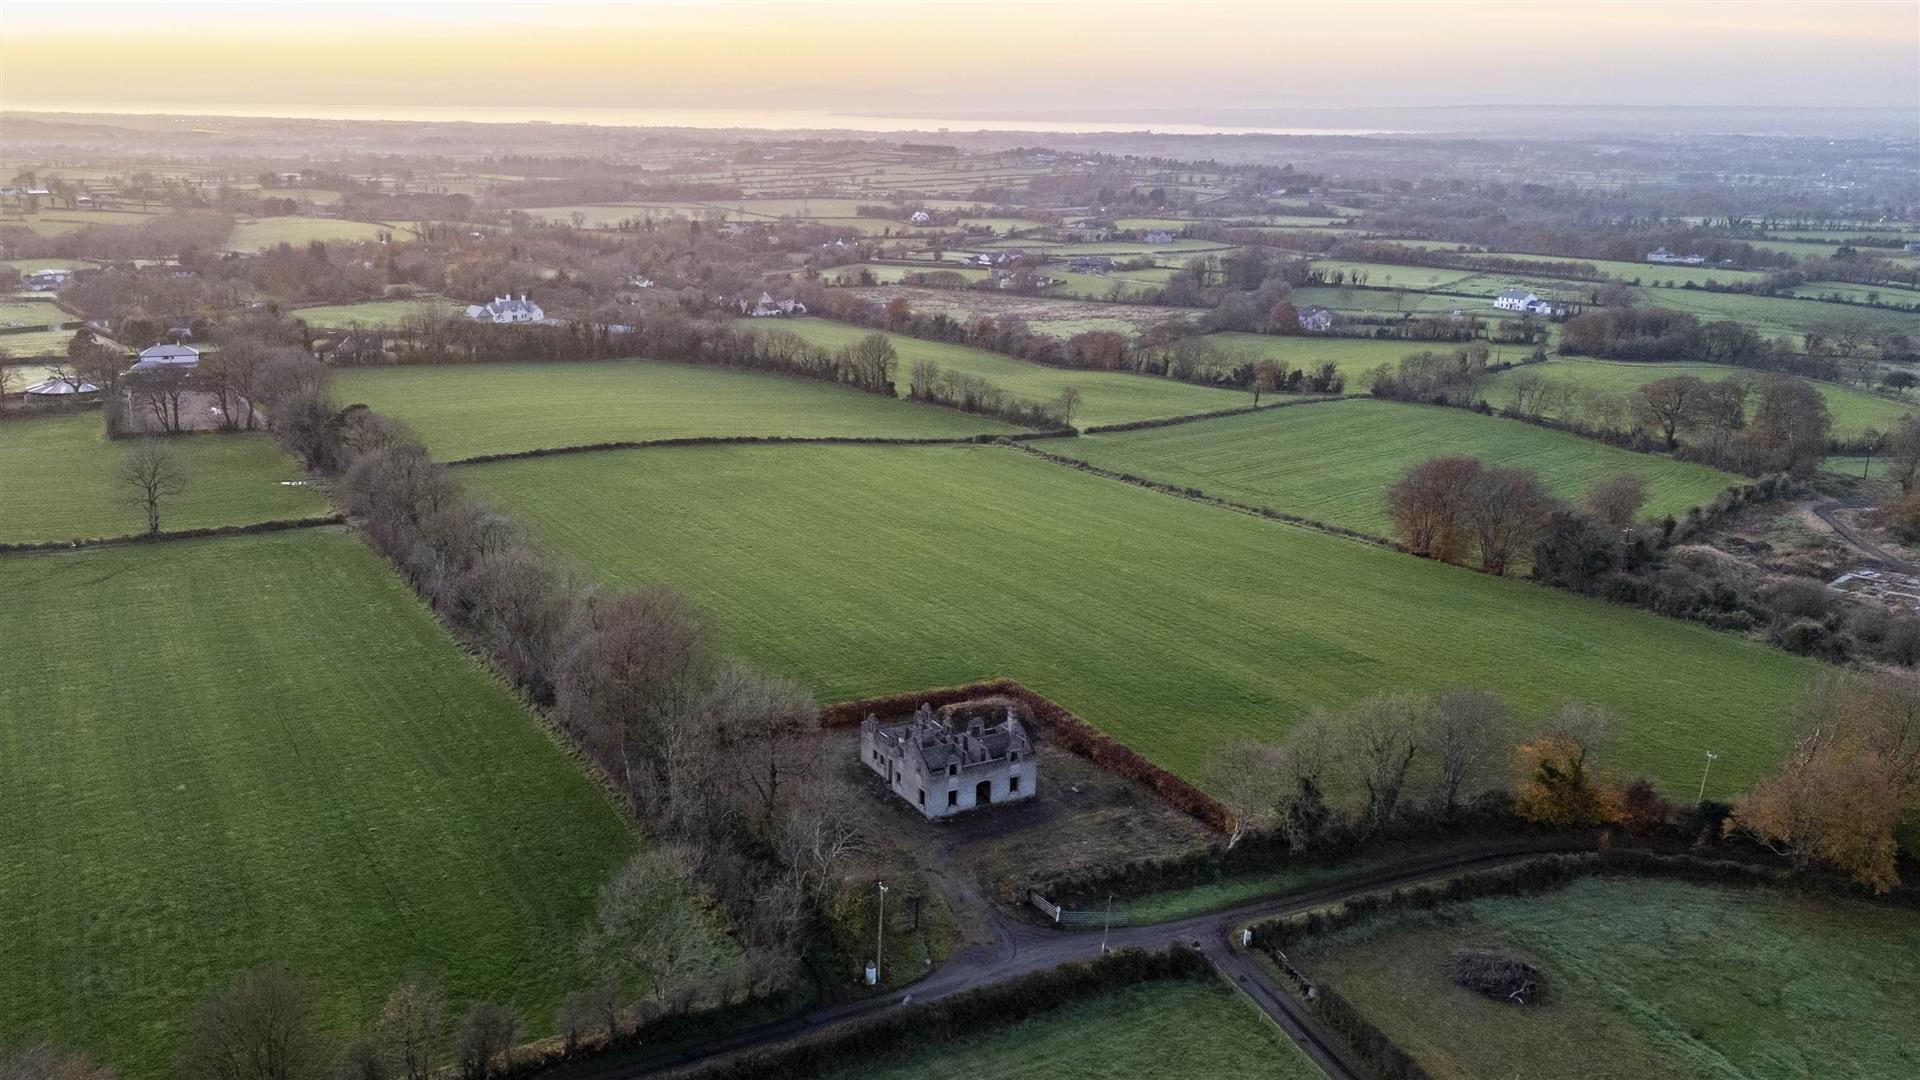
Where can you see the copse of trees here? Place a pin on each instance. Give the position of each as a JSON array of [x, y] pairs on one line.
[[1448, 507]]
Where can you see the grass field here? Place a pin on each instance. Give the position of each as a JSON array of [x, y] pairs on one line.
[[217, 754], [1177, 627], [36, 344], [1853, 411], [1648, 980], [463, 410], [1060, 317], [1109, 397], [1355, 357], [376, 314], [1334, 461], [61, 482], [1773, 316], [30, 313], [262, 233], [1165, 1030]]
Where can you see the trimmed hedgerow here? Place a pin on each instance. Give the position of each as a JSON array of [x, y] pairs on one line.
[[176, 534]]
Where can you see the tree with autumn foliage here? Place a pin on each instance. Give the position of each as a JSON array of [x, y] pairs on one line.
[[1429, 507], [1852, 775], [1556, 775]]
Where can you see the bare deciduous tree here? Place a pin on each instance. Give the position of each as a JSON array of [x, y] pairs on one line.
[[152, 473], [1460, 735], [1428, 506], [260, 1028], [1506, 511], [1668, 405], [413, 1027], [485, 1033], [1616, 501]]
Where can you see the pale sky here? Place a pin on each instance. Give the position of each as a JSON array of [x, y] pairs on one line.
[[955, 54]]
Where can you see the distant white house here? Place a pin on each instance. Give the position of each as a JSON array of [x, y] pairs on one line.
[[506, 309], [1668, 258], [159, 358], [1317, 320], [768, 307], [47, 280], [1158, 236], [1530, 303], [920, 217]]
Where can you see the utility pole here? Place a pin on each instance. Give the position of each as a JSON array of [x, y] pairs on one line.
[[1106, 924], [880, 934], [1711, 757]]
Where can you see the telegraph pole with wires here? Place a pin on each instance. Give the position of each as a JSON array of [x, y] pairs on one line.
[[1711, 758], [880, 934]]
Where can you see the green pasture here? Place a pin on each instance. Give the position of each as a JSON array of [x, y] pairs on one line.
[[1334, 461], [27, 266], [1112, 247], [893, 274], [1645, 272], [1355, 357], [1199, 1030], [61, 482], [31, 313], [37, 344], [1647, 980], [376, 314], [262, 233], [1854, 412], [464, 410], [1780, 315], [220, 754], [1059, 316], [1395, 302], [1107, 397], [1175, 626], [1859, 294], [61, 222], [1390, 275]]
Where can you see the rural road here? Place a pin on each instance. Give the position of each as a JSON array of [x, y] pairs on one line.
[[1019, 948], [1826, 512]]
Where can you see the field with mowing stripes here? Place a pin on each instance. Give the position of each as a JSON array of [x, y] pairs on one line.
[[1167, 1030], [1650, 980], [1109, 397], [463, 410], [61, 482], [1853, 411], [376, 314], [216, 754], [1334, 461], [1175, 626]]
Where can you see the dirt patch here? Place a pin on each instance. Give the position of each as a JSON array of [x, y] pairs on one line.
[[1080, 817]]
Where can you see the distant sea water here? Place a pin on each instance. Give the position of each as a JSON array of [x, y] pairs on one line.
[[620, 116]]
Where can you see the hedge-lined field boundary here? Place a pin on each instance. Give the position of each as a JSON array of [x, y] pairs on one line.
[[743, 440], [1069, 732], [1199, 496], [1216, 414], [279, 525]]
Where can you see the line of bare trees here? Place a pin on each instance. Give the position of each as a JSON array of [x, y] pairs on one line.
[[708, 751], [1448, 508]]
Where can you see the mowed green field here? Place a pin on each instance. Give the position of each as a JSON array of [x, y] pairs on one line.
[[464, 410], [1854, 412], [59, 480], [1773, 316], [262, 233], [1108, 397], [1168, 1030], [1648, 980], [1175, 626], [1355, 357], [1334, 461], [217, 754], [377, 314]]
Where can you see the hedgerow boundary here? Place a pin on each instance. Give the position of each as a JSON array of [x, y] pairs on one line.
[[1196, 495], [279, 525], [1216, 414], [754, 440], [1533, 877], [1069, 732]]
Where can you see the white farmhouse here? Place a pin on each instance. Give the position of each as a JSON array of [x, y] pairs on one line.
[[506, 309], [1530, 303], [1668, 258], [165, 358], [920, 217]]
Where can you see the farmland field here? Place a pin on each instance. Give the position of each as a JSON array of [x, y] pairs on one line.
[[1059, 317], [1355, 357], [1334, 461], [30, 313], [1647, 979], [1853, 411], [1177, 627], [463, 410], [1779, 315], [1198, 1030], [376, 314], [1109, 397], [260, 750], [262, 233], [61, 482]]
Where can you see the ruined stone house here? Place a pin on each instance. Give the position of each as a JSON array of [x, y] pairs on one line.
[[967, 756]]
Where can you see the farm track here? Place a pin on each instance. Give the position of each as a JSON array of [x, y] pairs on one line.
[[1019, 948], [1827, 512]]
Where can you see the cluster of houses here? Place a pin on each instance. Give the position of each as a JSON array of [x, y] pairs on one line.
[[1529, 303]]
